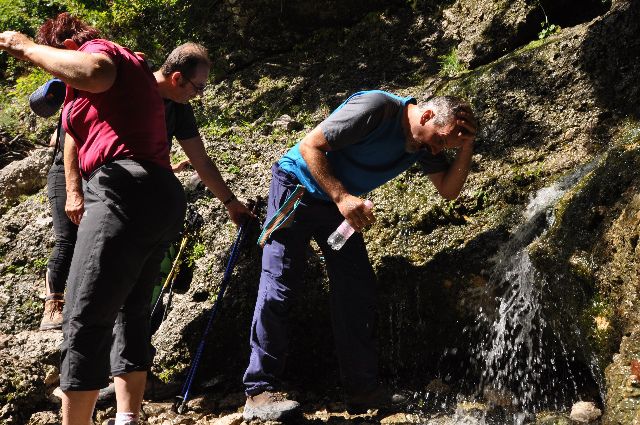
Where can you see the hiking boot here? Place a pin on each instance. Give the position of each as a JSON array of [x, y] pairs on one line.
[[269, 406], [380, 398], [107, 394], [52, 316], [113, 422]]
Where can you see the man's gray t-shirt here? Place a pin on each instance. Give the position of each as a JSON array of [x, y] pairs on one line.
[[368, 141]]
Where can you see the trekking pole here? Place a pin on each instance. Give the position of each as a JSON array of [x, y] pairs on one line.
[[181, 400], [171, 277], [193, 222]]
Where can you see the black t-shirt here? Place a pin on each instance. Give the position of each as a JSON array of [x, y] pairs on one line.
[[180, 121]]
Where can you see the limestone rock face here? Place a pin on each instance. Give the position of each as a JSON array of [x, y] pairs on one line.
[[484, 31], [23, 368], [24, 177]]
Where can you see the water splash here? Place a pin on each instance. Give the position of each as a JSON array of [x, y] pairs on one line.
[[514, 352]]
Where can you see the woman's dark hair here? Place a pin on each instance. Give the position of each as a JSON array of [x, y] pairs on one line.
[[65, 26]]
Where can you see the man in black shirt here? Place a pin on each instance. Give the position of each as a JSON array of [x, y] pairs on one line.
[[182, 77]]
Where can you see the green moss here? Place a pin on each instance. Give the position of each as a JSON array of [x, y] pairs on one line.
[[524, 176], [450, 65], [15, 268], [598, 321], [171, 372], [39, 264], [197, 250], [31, 307]]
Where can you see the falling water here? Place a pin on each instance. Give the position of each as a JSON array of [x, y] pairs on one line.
[[513, 351]]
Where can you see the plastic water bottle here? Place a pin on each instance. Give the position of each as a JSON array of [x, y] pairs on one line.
[[338, 238]]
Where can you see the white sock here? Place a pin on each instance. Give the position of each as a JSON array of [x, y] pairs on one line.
[[126, 418]]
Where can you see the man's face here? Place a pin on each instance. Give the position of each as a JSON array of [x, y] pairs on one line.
[[188, 88], [433, 138]]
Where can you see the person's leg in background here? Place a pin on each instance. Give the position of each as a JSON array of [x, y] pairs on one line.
[[60, 259]]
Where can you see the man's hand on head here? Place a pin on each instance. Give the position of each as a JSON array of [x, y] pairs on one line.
[[466, 127], [357, 214]]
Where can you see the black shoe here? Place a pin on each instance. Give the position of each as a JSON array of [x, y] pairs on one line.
[[377, 399], [269, 406]]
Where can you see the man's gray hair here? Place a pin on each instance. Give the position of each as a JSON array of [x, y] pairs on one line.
[[445, 108]]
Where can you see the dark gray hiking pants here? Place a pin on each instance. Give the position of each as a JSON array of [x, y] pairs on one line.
[[132, 212]]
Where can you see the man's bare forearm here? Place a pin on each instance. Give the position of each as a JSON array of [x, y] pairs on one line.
[[455, 177], [313, 152], [313, 149], [206, 168]]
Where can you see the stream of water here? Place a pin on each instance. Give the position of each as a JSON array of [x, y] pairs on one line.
[[520, 373]]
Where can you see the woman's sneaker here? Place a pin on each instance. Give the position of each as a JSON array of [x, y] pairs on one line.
[[269, 406], [52, 316]]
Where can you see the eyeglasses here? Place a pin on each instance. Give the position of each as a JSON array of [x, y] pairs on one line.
[[198, 89]]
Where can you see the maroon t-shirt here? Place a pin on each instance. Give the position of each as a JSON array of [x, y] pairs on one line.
[[126, 121]]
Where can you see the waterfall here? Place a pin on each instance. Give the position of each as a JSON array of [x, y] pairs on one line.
[[517, 368]]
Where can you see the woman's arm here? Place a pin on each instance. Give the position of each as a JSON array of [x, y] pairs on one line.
[[74, 207], [92, 72]]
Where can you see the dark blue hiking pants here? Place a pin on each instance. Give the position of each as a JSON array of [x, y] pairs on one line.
[[352, 287]]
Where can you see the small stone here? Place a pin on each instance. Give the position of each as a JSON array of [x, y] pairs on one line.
[[57, 394], [602, 323], [471, 410], [585, 412], [400, 418], [52, 377], [288, 123], [232, 419], [194, 182], [44, 418], [44, 221]]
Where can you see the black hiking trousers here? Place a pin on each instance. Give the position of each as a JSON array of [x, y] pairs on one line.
[[133, 210]]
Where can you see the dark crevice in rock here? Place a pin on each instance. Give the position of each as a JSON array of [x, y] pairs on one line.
[[568, 13], [565, 13]]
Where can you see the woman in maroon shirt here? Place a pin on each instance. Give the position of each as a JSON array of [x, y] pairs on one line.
[[131, 207]]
